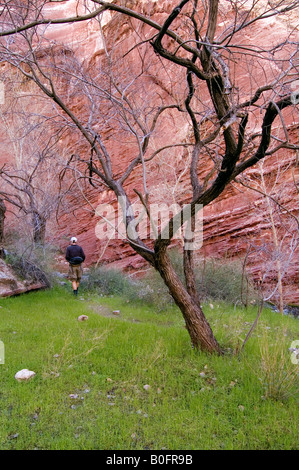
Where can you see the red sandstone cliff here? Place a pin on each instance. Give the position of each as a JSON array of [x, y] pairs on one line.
[[235, 225]]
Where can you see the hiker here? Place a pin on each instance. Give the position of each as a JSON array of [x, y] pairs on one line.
[[75, 256]]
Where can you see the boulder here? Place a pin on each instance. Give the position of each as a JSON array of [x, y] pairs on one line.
[[11, 284]]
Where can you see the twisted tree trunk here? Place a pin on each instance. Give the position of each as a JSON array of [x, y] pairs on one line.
[[2, 217], [39, 228], [198, 327]]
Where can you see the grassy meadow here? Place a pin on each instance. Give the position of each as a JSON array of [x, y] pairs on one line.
[[132, 381]]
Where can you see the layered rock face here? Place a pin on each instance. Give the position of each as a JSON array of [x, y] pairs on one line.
[[242, 223], [11, 284], [237, 226]]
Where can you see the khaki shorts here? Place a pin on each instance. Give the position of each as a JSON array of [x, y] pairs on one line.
[[75, 273]]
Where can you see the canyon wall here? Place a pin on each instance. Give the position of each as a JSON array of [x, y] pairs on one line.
[[240, 224]]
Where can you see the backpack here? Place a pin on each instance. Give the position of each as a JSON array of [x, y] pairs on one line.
[[76, 260]]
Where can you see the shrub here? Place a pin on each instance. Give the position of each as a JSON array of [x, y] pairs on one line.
[[27, 269], [151, 290], [216, 280], [278, 375], [220, 280], [223, 280], [105, 281]]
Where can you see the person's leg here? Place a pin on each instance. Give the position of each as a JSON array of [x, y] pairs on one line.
[[72, 278], [75, 288], [79, 275]]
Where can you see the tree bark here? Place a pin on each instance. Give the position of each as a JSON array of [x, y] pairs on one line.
[[2, 217], [188, 263], [39, 229], [200, 332]]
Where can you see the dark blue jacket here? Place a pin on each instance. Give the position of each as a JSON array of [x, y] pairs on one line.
[[74, 251]]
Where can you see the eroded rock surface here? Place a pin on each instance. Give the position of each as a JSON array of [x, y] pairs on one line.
[[11, 284]]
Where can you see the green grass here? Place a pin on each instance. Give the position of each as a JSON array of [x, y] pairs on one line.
[[195, 401]]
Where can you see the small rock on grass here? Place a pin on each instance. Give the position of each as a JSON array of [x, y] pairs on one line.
[[24, 375], [82, 318]]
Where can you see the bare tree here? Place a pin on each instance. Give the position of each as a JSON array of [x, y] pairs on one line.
[[276, 189], [29, 182], [200, 51], [2, 217]]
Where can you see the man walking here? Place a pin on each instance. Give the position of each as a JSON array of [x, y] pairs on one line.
[[75, 256]]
